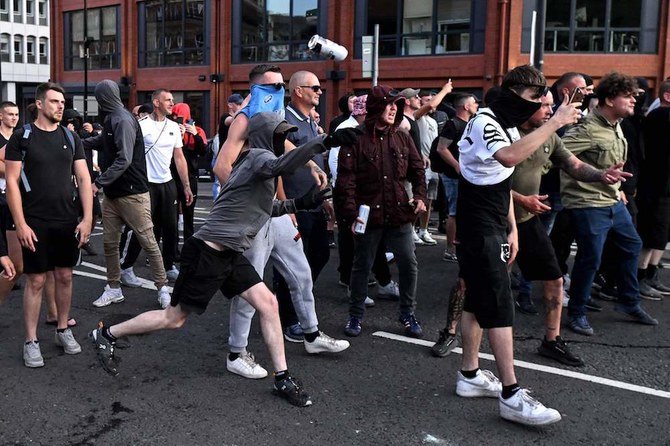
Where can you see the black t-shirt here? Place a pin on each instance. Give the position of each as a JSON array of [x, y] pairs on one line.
[[414, 133], [3, 140], [655, 166], [453, 130], [48, 168]]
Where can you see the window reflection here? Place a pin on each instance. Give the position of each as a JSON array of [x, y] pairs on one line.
[[103, 40]]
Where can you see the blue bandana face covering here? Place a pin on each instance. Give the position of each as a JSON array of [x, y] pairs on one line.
[[265, 98]]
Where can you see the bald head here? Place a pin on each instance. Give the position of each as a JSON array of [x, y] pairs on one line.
[[305, 90]]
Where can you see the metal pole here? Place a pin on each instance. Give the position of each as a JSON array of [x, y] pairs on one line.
[[85, 60], [538, 61], [375, 57], [533, 24]]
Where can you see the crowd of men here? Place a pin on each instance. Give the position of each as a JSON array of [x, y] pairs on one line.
[[517, 182]]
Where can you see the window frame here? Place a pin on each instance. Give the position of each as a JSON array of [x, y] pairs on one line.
[[18, 55], [239, 49], [43, 57], [163, 53], [102, 55]]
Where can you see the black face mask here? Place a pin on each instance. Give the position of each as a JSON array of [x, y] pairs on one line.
[[278, 140], [511, 109]]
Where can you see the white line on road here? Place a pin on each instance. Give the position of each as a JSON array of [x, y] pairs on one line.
[[539, 367], [146, 284]]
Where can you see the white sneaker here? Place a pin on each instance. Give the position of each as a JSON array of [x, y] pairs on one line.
[[129, 279], [245, 365], [67, 341], [164, 297], [417, 240], [567, 280], [523, 408], [427, 239], [484, 384], [369, 302], [172, 273], [32, 355], [389, 257], [390, 289], [325, 344], [109, 296]]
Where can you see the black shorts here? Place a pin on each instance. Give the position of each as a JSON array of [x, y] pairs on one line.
[[536, 257], [204, 271], [653, 222], [6, 220], [56, 246], [483, 267]]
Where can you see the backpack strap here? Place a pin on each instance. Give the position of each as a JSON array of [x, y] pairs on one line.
[[70, 139], [27, 130]]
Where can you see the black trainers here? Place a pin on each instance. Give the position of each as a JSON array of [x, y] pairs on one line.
[[607, 293], [105, 350], [525, 304], [290, 389], [444, 345], [559, 351], [412, 326], [592, 306]]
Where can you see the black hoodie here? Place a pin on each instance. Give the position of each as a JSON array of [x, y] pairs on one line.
[[124, 168]]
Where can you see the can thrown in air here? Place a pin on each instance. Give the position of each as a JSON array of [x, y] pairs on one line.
[[363, 213]]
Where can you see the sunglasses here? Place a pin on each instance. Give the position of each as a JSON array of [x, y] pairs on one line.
[[277, 85], [541, 89], [314, 88]]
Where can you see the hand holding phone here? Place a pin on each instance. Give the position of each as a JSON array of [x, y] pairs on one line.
[[577, 96]]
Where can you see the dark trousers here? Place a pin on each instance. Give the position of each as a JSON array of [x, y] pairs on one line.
[[164, 217], [314, 233], [562, 236], [187, 211], [345, 246]]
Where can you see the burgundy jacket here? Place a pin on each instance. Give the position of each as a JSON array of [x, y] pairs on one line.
[[373, 172]]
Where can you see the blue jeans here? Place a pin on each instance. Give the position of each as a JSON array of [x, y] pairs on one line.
[[592, 227]]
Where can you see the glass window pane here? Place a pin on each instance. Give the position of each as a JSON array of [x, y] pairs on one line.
[[305, 16], [279, 26], [589, 41], [384, 13], [557, 40], [417, 16], [590, 13], [253, 30], [624, 41], [626, 14], [558, 13]]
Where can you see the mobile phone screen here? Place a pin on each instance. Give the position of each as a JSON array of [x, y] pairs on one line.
[[190, 122], [180, 119], [577, 95]]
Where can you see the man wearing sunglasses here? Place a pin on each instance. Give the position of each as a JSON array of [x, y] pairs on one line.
[[486, 230]]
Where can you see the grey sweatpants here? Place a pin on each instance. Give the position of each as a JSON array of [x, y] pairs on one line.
[[276, 241]]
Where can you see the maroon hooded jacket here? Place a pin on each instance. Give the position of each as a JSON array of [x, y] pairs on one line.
[[373, 171]]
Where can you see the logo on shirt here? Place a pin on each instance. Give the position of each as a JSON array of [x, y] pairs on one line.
[[493, 136], [267, 98], [505, 252]]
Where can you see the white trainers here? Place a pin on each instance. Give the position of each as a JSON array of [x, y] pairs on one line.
[[32, 355], [164, 297], [524, 409], [566, 298], [369, 302], [325, 344], [417, 240], [129, 279], [109, 296], [172, 273], [427, 239], [390, 258], [484, 384], [67, 341], [391, 289], [245, 365]]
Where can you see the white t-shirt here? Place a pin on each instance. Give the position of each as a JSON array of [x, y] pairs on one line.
[[160, 140], [482, 138]]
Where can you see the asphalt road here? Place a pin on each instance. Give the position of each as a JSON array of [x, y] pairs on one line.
[[174, 388]]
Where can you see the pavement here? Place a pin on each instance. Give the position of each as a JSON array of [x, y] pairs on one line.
[[386, 389]]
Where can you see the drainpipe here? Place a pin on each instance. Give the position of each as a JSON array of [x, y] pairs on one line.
[[502, 38]]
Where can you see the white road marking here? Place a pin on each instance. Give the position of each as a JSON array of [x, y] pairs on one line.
[[540, 368], [146, 284]]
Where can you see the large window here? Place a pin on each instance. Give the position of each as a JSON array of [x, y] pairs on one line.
[[18, 48], [18, 10], [597, 26], [103, 39], [30, 49], [173, 32], [421, 27], [44, 51], [30, 12], [4, 10], [4, 48], [275, 30], [42, 11]]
